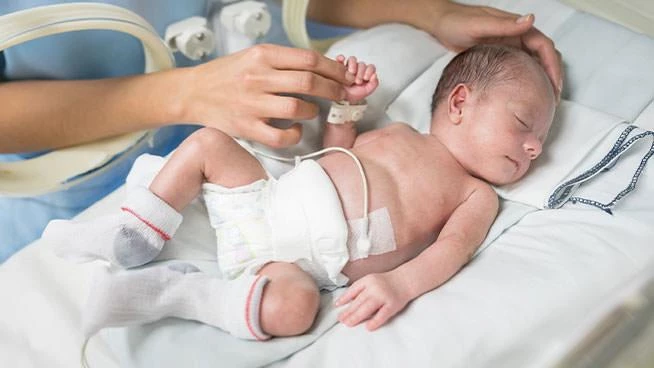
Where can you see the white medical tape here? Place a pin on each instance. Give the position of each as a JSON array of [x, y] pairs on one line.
[[381, 235]]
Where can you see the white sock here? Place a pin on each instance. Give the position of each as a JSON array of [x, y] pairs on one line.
[[129, 297], [132, 237]]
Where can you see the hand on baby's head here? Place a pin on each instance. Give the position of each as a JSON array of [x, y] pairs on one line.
[[365, 81]]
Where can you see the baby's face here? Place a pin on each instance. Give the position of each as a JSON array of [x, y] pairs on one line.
[[508, 128]]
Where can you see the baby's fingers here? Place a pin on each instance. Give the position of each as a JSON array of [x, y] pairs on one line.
[[361, 70], [361, 313], [381, 317], [352, 65], [352, 292], [370, 70], [340, 58], [370, 86]]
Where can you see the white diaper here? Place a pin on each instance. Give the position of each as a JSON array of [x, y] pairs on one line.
[[297, 218]]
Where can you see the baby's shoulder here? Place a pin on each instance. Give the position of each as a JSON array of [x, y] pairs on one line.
[[399, 126], [392, 130], [481, 191], [398, 129]]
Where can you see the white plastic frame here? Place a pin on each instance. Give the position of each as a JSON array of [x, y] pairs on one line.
[[66, 167]]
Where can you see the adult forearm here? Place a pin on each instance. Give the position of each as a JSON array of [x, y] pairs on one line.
[[50, 114], [368, 13]]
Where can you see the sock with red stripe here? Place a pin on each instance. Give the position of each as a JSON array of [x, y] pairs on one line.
[[134, 297], [132, 237]]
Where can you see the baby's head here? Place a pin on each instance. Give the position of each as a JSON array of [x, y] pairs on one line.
[[493, 108]]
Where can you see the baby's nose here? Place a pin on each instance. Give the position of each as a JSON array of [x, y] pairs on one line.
[[533, 147]]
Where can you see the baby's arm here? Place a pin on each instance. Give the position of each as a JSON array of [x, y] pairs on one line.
[[378, 297], [344, 135]]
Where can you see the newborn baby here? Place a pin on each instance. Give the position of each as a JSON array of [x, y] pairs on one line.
[[281, 240]]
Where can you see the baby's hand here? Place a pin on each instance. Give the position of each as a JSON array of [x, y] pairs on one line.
[[365, 81], [374, 298]]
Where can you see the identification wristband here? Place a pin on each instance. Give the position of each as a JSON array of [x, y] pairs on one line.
[[342, 111]]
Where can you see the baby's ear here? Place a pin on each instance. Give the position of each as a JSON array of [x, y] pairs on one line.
[[456, 101]]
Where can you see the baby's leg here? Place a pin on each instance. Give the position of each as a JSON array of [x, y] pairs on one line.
[[290, 301], [207, 155], [282, 300], [136, 234], [134, 297]]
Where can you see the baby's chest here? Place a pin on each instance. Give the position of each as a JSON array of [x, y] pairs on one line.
[[433, 193]]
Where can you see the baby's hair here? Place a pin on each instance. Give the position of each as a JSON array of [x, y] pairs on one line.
[[481, 67]]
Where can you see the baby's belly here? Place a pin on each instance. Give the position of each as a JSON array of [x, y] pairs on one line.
[[385, 252], [355, 269], [393, 241], [383, 206]]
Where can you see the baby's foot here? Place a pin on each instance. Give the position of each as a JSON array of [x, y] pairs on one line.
[[132, 237], [365, 78], [129, 297]]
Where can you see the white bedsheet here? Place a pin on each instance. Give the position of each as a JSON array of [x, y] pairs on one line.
[[551, 265], [543, 272]]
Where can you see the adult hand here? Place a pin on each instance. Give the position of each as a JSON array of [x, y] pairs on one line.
[[240, 93], [460, 26]]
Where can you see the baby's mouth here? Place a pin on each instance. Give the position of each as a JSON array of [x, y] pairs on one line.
[[515, 163]]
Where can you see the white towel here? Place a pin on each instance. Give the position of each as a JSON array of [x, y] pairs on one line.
[[610, 172], [576, 131], [583, 145]]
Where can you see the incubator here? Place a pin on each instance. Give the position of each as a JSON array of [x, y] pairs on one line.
[[521, 303], [229, 26]]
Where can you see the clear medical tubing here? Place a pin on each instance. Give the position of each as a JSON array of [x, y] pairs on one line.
[[294, 20]]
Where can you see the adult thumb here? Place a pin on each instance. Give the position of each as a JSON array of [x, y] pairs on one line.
[[493, 26]]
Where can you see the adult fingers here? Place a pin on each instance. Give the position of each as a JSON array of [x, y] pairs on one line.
[[542, 46], [273, 137], [288, 58], [493, 27], [501, 13], [285, 107], [302, 82]]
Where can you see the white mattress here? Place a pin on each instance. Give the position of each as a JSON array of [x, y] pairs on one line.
[[508, 307]]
